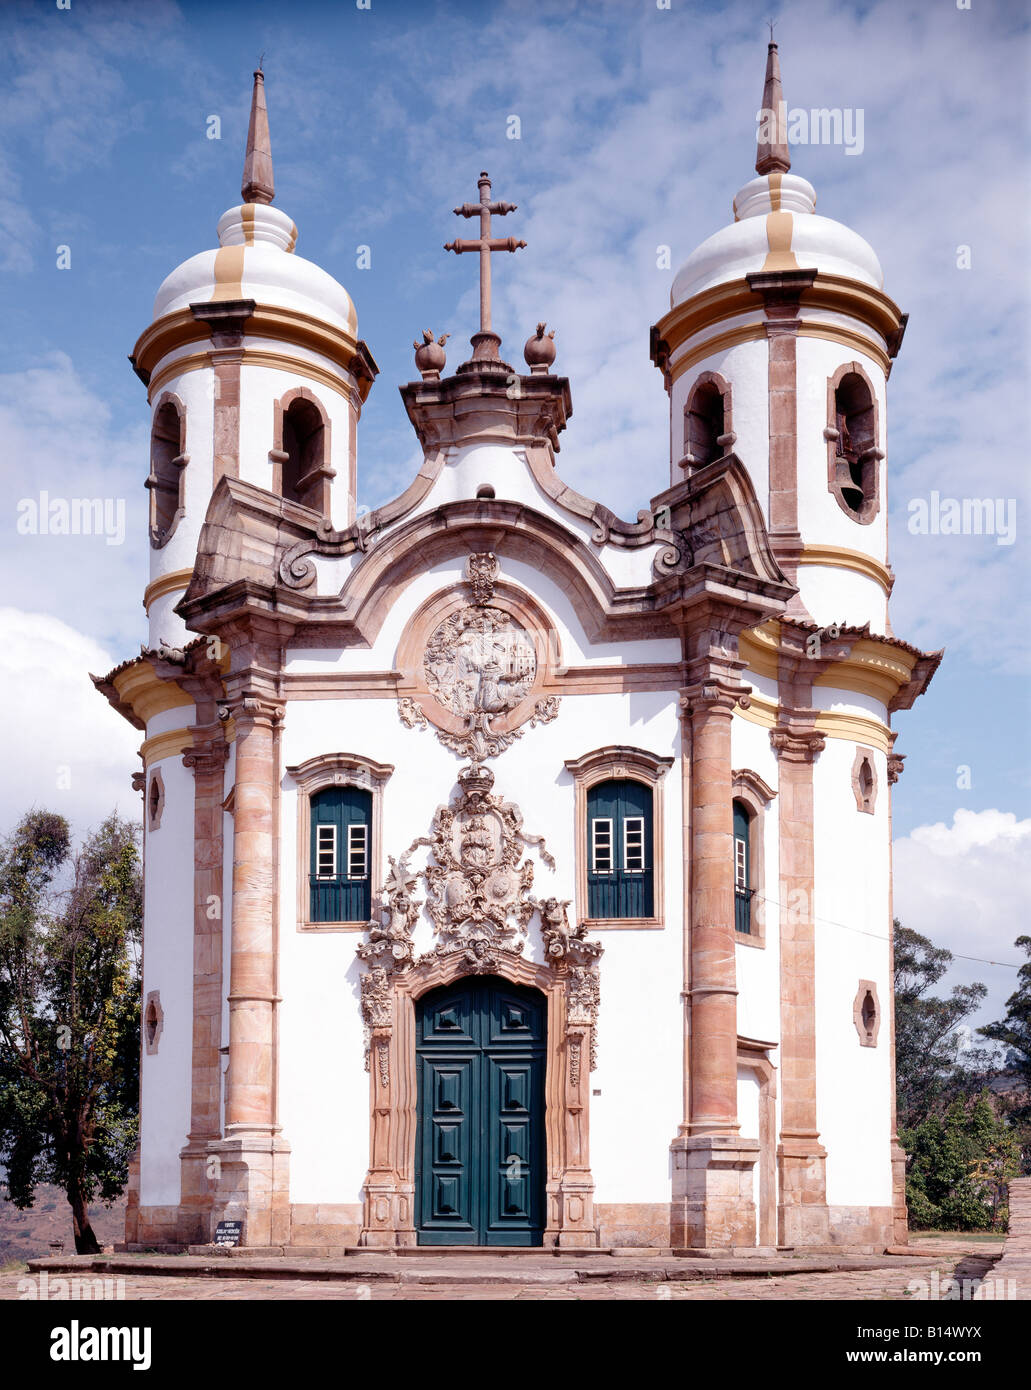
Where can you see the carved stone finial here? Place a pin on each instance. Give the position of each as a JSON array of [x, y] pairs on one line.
[[482, 573], [430, 356], [540, 351]]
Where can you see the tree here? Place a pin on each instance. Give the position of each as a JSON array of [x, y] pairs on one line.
[[959, 1166], [1015, 1031], [929, 1069], [69, 1012]]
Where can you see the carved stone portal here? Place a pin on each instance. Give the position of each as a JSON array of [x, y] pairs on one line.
[[480, 902]]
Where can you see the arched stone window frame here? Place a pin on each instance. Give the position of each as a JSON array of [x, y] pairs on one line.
[[621, 762], [315, 775], [756, 796], [866, 797], [153, 1022], [866, 1026], [321, 476], [158, 538], [869, 459], [155, 799], [728, 438]]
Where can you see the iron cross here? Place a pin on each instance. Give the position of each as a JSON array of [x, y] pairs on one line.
[[486, 243]]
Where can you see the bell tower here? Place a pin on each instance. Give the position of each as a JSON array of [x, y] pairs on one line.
[[777, 346], [254, 370]]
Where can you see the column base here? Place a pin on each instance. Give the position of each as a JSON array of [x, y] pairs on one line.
[[802, 1217], [713, 1204], [253, 1186], [571, 1224], [198, 1167], [387, 1218], [900, 1213]]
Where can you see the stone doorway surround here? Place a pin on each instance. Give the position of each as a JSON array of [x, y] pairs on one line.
[[480, 903]]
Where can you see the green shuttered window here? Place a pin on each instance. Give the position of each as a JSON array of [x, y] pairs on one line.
[[339, 876], [743, 889], [620, 869]]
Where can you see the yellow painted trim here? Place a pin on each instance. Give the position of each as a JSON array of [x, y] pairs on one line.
[[774, 180], [253, 357], [704, 309], [228, 273], [873, 668], [247, 219], [856, 342], [166, 584], [842, 557], [747, 333], [139, 687], [760, 711], [166, 745], [833, 292], [758, 647], [850, 728], [854, 728], [282, 325], [293, 238], [779, 226]]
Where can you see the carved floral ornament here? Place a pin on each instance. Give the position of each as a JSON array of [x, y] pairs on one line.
[[479, 664], [480, 901]]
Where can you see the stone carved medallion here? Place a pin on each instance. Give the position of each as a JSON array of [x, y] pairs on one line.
[[479, 660], [479, 664]]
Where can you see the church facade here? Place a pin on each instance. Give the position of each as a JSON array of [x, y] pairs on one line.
[[515, 874]]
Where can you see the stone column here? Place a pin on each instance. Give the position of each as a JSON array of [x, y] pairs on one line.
[[801, 1158], [253, 1184], [713, 1203], [226, 319], [782, 291], [900, 1212], [207, 758]]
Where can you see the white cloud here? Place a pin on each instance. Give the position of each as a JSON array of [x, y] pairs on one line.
[[66, 749], [57, 436], [966, 886]]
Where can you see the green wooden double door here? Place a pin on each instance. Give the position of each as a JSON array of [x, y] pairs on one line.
[[480, 1148]]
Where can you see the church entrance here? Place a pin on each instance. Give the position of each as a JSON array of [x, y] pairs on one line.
[[480, 1150]]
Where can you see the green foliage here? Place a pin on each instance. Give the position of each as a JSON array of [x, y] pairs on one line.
[[959, 1165], [1014, 1031], [69, 1011], [929, 1073]]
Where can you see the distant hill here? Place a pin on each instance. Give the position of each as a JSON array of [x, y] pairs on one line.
[[27, 1234]]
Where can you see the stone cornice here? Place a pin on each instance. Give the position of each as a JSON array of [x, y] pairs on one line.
[[835, 293]]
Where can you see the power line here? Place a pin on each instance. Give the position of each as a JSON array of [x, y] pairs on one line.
[[829, 922]]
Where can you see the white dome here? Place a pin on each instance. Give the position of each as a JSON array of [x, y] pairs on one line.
[[815, 242], [255, 260]]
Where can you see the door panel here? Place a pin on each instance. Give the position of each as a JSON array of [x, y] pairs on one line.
[[480, 1152]]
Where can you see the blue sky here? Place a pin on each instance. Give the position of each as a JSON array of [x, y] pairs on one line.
[[637, 128]]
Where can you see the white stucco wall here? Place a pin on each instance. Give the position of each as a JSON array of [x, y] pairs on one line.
[[852, 924], [168, 967]]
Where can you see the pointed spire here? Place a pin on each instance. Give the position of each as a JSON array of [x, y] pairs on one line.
[[772, 152], [257, 166]]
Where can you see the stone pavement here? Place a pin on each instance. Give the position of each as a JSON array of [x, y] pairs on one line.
[[522, 1278], [1016, 1261]]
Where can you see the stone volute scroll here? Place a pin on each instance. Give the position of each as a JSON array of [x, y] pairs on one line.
[[477, 671]]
